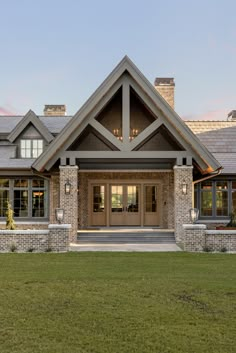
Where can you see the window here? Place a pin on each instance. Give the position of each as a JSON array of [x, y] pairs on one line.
[[221, 198], [233, 208], [4, 196], [206, 198], [214, 199], [21, 199], [98, 198], [31, 148], [28, 197]]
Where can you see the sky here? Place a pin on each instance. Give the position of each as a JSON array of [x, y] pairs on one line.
[[59, 52]]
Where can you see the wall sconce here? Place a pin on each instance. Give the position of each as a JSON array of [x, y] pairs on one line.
[[59, 213], [194, 214], [184, 188], [67, 187]]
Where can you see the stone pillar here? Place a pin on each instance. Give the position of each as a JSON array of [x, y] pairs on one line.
[[70, 202], [182, 202], [58, 238], [194, 237]]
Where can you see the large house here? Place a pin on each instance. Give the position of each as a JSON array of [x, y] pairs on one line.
[[124, 159]]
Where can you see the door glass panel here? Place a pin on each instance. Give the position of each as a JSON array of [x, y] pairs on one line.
[[21, 203], [150, 198], [98, 198], [132, 198], [117, 198]]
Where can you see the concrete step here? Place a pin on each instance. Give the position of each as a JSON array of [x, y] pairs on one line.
[[126, 238]]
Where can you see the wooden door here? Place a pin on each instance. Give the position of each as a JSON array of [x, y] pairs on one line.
[[152, 205], [125, 205]]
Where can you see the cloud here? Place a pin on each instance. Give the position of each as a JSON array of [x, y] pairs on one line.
[[4, 111], [218, 114]]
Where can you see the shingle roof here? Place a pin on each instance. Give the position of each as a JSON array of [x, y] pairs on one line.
[[54, 123], [220, 139], [16, 163], [7, 151]]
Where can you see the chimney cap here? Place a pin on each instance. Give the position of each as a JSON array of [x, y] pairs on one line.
[[167, 81]]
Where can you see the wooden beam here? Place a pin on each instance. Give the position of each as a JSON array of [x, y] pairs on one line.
[[125, 154], [145, 133], [126, 112], [107, 134]]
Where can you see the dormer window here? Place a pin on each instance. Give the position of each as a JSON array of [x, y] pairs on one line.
[[31, 148]]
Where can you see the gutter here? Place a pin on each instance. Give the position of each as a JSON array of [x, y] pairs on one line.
[[212, 175]]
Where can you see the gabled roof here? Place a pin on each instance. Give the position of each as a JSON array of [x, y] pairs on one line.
[[30, 118], [203, 156], [53, 123]]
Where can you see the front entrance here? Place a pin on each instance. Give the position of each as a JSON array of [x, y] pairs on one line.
[[125, 204]]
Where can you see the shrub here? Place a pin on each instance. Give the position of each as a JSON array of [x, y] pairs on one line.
[[207, 249], [10, 223], [232, 222], [13, 247], [48, 249], [30, 250], [223, 249]]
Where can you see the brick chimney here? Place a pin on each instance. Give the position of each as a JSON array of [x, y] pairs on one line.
[[166, 87], [232, 116], [54, 110]]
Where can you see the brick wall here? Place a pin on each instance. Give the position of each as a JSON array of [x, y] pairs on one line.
[[54, 197], [56, 239], [197, 238], [194, 237], [182, 203], [168, 93], [70, 202]]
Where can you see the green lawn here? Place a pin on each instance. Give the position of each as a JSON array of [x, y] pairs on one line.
[[117, 302]]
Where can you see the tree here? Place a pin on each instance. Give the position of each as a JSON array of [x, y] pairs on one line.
[[10, 223]]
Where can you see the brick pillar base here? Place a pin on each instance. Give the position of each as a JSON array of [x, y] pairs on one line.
[[58, 238], [194, 237], [70, 202], [182, 202]]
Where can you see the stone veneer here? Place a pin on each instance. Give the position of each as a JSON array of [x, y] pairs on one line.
[[182, 203], [197, 238], [56, 238], [165, 178], [70, 202], [54, 192]]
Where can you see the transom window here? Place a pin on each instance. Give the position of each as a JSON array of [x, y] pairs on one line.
[[31, 148]]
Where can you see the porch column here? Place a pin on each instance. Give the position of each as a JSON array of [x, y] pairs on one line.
[[69, 202], [182, 201]]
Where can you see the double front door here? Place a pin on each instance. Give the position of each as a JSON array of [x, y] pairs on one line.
[[125, 205], [118, 204]]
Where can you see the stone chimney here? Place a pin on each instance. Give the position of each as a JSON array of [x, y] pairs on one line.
[[232, 116], [54, 110], [166, 87]]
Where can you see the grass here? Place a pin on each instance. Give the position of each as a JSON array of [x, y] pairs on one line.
[[117, 303]]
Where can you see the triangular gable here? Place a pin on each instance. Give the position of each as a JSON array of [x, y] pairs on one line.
[[30, 118], [91, 140], [97, 101], [160, 140]]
